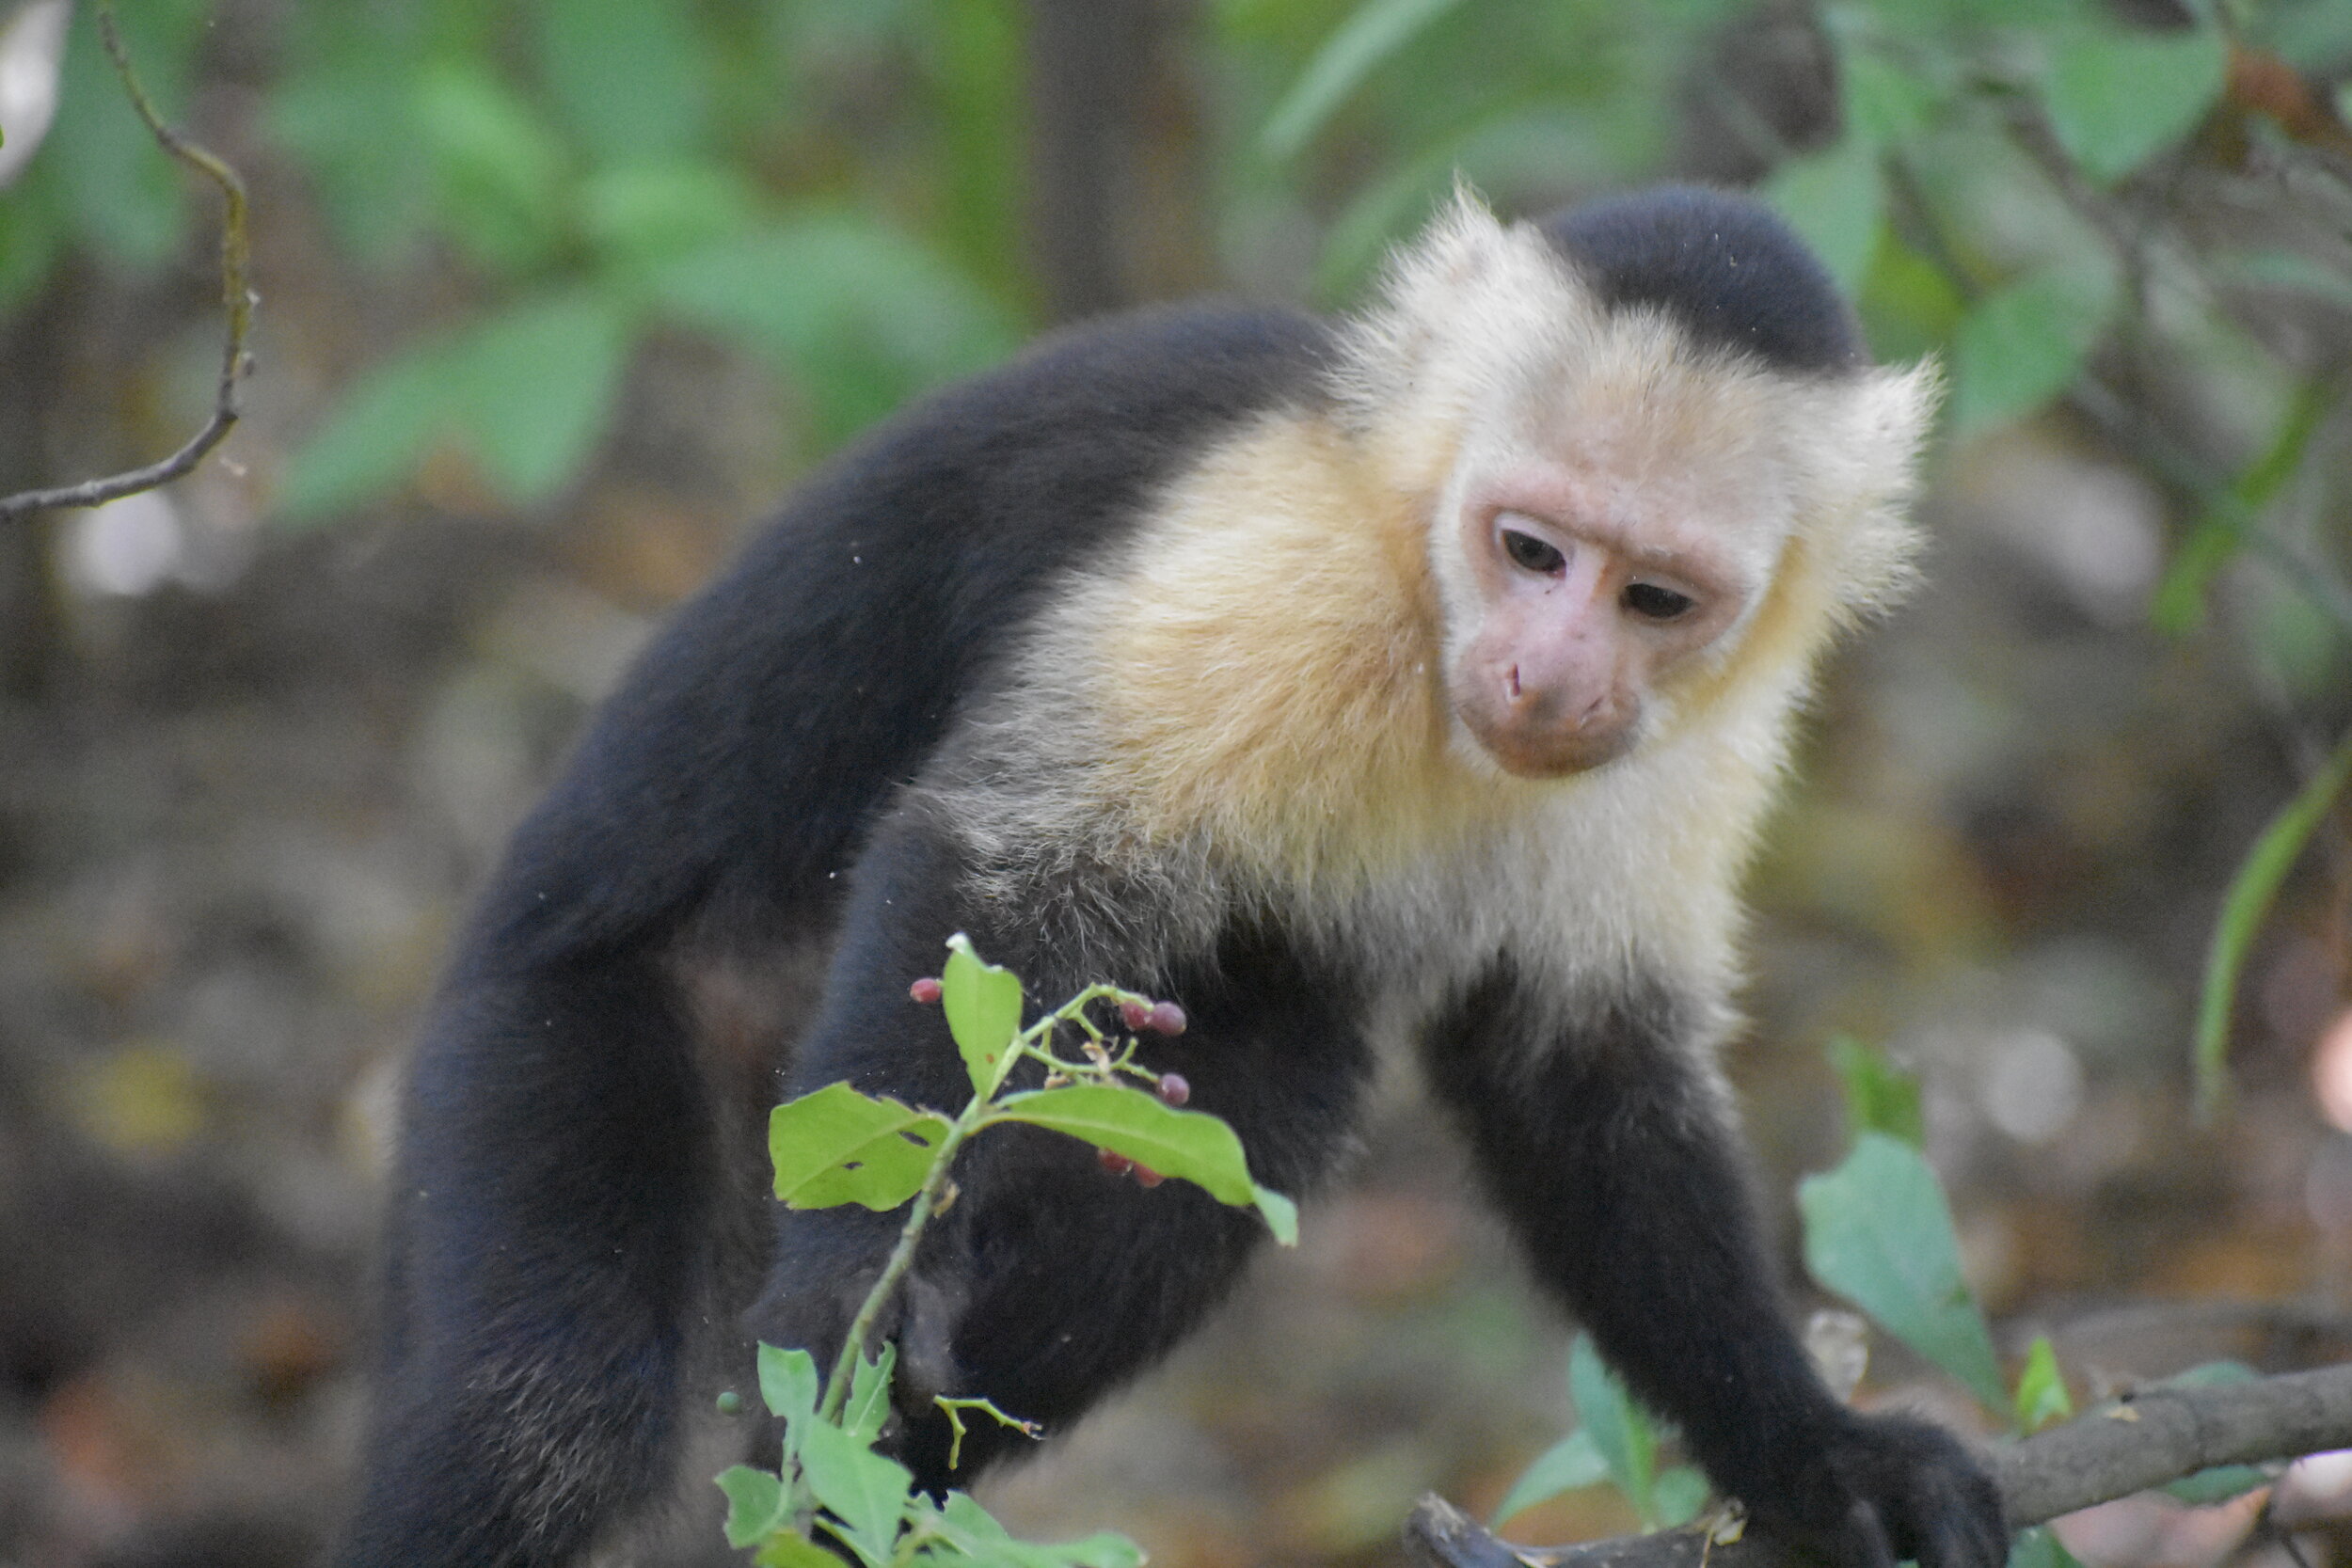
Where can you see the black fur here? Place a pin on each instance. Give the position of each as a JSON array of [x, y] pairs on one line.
[[555, 1207], [1723, 266], [1610, 1158], [578, 1136]]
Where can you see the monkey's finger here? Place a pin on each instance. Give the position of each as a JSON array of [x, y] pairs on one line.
[[1953, 1542], [1866, 1545]]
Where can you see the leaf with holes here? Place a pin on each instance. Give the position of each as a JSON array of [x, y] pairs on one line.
[[838, 1146], [866, 1492], [757, 1504]]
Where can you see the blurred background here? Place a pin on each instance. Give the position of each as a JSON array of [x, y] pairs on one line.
[[558, 295]]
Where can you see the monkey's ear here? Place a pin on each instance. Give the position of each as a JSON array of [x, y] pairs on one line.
[[1451, 306], [1864, 462]]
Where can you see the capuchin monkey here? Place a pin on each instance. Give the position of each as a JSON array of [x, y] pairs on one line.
[[1417, 677]]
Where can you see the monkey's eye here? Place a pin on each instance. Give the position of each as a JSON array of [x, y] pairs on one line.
[[1530, 554], [1653, 603]]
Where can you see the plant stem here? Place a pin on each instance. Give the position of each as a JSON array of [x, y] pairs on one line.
[[902, 1259], [926, 1200], [901, 1256]]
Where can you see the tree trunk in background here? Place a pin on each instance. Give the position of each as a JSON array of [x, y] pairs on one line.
[[1114, 148], [1086, 63], [32, 367]]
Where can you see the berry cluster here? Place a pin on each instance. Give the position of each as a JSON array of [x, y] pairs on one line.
[[1158, 1017]]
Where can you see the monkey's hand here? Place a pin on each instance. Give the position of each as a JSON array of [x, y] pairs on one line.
[[1879, 1489]]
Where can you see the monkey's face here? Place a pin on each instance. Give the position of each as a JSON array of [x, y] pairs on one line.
[[1592, 584]]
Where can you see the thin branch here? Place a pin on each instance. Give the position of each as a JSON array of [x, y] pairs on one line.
[[239, 297], [2124, 1447], [2125, 425]]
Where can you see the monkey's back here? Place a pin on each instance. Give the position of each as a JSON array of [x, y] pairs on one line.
[[823, 665]]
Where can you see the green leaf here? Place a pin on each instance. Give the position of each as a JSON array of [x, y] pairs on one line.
[[1102, 1549], [2285, 270], [2218, 1484], [2180, 601], [967, 1522], [2040, 1547], [983, 1006], [628, 79], [1908, 302], [527, 393], [757, 1502], [1573, 1461], [344, 106], [2042, 1396], [865, 1491], [641, 215], [1880, 1096], [1884, 104], [788, 1384], [975, 1532], [2116, 97], [1680, 1493], [1279, 1213], [2243, 909], [868, 1406], [123, 193], [786, 1549], [379, 432], [859, 316], [499, 172], [539, 383], [1877, 1232], [2025, 343], [1188, 1144], [1834, 200], [32, 237], [1621, 1431], [1378, 29], [837, 1145]]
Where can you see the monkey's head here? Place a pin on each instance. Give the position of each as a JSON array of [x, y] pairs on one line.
[[1651, 486]]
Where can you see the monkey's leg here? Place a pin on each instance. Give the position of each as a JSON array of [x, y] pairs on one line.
[[1612, 1155], [551, 1221]]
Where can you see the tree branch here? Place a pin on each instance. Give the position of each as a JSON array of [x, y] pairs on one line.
[[239, 297], [2124, 1447]]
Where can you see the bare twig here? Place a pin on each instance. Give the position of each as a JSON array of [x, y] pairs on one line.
[[239, 297], [2124, 1447]]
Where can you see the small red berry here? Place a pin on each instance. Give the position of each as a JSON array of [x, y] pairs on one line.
[[1146, 1175], [1136, 1014], [1115, 1163], [1165, 1018], [1174, 1088], [925, 991]]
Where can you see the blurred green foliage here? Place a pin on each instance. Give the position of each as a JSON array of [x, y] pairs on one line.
[[600, 167], [834, 187]]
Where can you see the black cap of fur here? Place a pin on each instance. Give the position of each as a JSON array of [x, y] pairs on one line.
[[1723, 266]]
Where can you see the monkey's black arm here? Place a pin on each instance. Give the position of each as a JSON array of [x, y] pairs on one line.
[[1609, 1154], [1048, 1281]]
